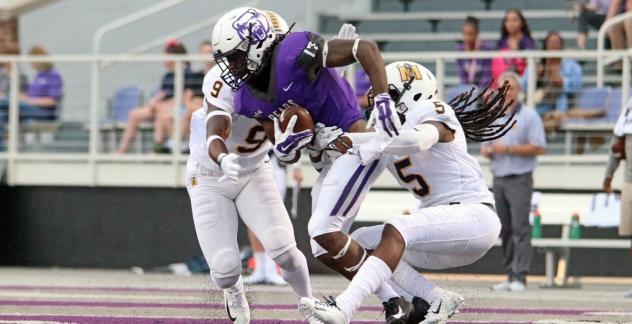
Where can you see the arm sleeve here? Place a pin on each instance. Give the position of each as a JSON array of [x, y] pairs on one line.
[[360, 138], [420, 138], [612, 165]]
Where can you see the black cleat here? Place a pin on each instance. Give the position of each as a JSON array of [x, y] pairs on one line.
[[421, 307], [397, 310]]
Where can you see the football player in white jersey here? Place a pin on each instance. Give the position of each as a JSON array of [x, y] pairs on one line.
[[229, 173], [457, 224]]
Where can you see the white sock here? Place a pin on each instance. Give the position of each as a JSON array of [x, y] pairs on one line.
[[237, 287], [270, 266], [295, 272], [416, 284], [260, 262], [385, 292], [373, 273]]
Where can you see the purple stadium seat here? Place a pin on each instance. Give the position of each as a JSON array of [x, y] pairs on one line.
[[125, 99], [593, 98], [614, 105]]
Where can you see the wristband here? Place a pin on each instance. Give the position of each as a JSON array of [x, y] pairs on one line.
[[220, 157], [212, 138], [354, 49]]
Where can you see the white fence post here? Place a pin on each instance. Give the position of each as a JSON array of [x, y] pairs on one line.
[[440, 75], [94, 119], [625, 80], [13, 122], [601, 43], [176, 136], [531, 81]]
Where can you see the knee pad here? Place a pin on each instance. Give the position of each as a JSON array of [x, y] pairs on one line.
[[225, 264], [368, 237], [223, 283], [320, 225], [278, 240], [290, 260]]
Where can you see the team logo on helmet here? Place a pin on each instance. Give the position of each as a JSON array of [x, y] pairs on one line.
[[252, 26], [407, 71]]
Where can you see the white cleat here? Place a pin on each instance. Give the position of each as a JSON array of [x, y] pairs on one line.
[[517, 286], [256, 278], [236, 304], [443, 307], [503, 286], [317, 312], [275, 279]]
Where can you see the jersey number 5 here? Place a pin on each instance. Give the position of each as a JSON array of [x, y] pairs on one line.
[[256, 137], [421, 187]]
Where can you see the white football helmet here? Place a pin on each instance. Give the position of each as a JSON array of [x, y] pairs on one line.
[[241, 41], [279, 24], [409, 82]]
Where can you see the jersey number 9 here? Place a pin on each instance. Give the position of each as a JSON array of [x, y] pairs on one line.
[[255, 138]]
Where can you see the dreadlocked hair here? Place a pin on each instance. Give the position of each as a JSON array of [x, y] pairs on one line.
[[479, 124]]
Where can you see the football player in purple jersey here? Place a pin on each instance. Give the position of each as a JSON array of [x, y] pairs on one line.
[[271, 72]]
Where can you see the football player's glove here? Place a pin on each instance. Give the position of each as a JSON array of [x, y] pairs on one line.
[[287, 143], [384, 116], [324, 136], [229, 165]]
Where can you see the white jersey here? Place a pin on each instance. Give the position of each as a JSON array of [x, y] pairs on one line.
[[247, 138], [445, 173]]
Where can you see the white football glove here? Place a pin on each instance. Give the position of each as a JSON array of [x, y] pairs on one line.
[[229, 165], [287, 143], [324, 135], [347, 31], [384, 116]]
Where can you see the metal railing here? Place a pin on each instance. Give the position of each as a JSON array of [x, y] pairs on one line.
[[601, 44], [95, 156]]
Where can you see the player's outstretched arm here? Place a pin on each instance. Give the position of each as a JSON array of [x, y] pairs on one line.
[[420, 138], [340, 52], [218, 127]]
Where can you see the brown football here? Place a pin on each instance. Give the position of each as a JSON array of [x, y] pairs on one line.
[[304, 119]]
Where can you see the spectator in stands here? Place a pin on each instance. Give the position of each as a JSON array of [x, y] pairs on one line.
[[160, 106], [513, 159], [557, 82], [591, 14], [43, 95], [622, 143], [621, 34], [515, 35], [45, 92], [193, 97], [473, 71]]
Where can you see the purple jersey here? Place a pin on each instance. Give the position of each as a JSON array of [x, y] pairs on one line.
[[297, 77]]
